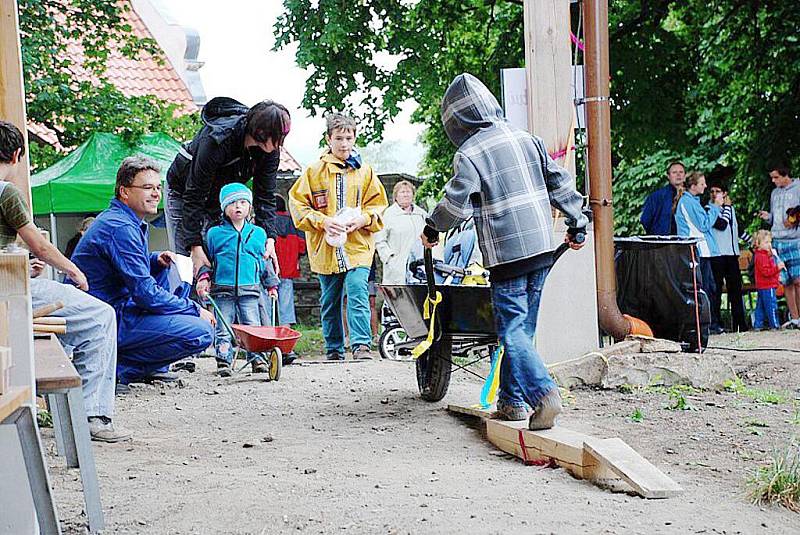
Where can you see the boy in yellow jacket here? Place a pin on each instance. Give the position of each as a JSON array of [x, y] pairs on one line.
[[338, 202]]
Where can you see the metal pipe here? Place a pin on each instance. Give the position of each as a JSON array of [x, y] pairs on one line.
[[598, 118]]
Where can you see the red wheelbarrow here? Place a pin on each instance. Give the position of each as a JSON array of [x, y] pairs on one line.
[[265, 342]]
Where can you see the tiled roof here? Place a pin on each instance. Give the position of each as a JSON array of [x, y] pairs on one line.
[[144, 76]]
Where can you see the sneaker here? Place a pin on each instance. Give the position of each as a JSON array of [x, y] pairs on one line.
[[223, 369], [101, 429], [164, 377], [791, 324], [334, 355], [259, 366], [512, 413], [545, 414], [186, 365], [122, 389], [362, 352], [289, 357]]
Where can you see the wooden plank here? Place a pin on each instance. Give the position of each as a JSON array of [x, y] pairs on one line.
[[638, 472], [14, 274], [5, 364], [54, 371], [3, 323], [470, 411], [16, 397], [12, 92]]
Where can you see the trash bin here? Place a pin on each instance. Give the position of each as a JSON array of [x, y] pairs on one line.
[[656, 283]]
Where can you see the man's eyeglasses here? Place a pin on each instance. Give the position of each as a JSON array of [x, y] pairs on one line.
[[149, 188]]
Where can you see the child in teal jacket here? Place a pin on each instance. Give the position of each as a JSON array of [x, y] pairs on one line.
[[236, 251]]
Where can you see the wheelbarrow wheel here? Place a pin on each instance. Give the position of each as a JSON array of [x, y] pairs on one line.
[[275, 364], [433, 371]]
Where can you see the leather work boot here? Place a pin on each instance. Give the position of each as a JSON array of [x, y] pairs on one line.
[[511, 413]]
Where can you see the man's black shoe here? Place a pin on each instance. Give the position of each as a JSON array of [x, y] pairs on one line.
[[334, 355], [164, 377]]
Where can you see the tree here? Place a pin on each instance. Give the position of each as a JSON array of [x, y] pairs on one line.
[[74, 98], [715, 82]]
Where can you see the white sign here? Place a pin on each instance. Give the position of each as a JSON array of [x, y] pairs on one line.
[[515, 95]]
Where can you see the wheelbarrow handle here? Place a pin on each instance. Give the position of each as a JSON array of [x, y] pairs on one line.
[[221, 317], [431, 280]]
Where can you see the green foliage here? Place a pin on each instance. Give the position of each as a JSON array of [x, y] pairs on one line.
[[637, 416], [44, 418], [311, 341], [761, 395], [779, 481], [74, 106], [713, 83]]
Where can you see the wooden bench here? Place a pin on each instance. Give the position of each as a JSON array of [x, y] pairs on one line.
[[14, 411], [59, 382]]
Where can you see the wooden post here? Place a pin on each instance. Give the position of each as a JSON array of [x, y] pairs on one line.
[[551, 109], [12, 89]]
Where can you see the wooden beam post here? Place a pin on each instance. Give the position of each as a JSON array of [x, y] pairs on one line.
[[12, 89], [551, 109]]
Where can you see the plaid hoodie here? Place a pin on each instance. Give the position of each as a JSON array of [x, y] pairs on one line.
[[504, 178]]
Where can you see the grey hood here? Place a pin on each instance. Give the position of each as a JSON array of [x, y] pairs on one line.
[[468, 106]]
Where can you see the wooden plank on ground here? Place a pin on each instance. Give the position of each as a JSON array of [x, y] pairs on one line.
[[14, 274], [15, 398], [638, 472]]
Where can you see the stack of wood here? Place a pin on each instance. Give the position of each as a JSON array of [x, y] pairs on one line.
[[42, 323], [5, 352]]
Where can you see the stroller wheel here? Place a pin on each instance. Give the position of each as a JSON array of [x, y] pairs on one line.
[[387, 343], [275, 364]]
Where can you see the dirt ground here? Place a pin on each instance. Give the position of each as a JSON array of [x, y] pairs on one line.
[[350, 448]]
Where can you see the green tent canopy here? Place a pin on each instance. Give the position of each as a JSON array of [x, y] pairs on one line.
[[84, 180]]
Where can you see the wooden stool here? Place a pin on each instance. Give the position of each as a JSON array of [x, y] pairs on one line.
[[14, 412], [59, 382]]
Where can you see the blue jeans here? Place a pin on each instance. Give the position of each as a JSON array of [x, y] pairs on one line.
[[286, 313], [242, 310], [354, 284], [523, 376], [766, 309]]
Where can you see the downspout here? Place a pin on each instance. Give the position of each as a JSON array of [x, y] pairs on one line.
[[598, 118]]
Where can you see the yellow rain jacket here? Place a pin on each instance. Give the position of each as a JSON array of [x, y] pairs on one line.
[[324, 188]]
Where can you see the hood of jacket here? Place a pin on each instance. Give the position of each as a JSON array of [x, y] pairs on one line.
[[468, 106], [222, 115]]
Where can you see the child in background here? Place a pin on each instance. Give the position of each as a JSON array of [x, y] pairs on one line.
[[767, 277], [236, 251], [341, 253]]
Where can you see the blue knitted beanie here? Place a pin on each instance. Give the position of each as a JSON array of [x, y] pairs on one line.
[[230, 193]]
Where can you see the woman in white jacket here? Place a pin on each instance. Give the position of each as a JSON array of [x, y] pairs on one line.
[[403, 222]]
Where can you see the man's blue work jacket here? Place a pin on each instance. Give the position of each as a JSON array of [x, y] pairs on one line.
[[656, 216], [114, 256]]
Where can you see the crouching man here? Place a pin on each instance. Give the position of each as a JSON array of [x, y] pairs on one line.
[[91, 324], [155, 326], [506, 180]]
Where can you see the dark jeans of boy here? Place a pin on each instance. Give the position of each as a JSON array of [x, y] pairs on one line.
[[766, 309], [242, 310], [523, 376], [352, 283], [727, 275]]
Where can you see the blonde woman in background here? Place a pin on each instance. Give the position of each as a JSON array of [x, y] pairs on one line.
[[403, 222]]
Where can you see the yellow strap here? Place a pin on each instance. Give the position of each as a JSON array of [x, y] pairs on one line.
[[428, 312]]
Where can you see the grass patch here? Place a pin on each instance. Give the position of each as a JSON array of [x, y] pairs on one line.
[[311, 341], [637, 416], [44, 418], [761, 395], [778, 482]]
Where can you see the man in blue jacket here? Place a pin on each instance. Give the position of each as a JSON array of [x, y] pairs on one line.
[[155, 326], [657, 218]]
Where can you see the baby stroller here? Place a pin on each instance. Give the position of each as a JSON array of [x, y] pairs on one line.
[[459, 253]]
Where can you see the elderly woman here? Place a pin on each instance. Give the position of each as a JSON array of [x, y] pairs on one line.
[[403, 222]]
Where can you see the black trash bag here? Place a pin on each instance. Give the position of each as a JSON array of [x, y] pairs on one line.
[[656, 283]]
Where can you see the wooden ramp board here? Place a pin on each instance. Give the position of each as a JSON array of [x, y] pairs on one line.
[[638, 472], [567, 449]]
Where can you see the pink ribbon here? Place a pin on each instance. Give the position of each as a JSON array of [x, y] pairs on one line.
[[577, 42], [560, 154]]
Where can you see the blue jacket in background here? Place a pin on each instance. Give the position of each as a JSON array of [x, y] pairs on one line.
[[695, 221], [657, 212], [114, 255], [237, 259]]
